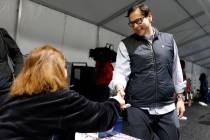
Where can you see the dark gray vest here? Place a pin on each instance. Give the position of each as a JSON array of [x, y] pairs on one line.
[[150, 83]]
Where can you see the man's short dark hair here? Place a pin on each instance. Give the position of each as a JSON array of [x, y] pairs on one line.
[[142, 7]]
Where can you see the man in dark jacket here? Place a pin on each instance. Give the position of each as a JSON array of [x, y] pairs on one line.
[[9, 49], [149, 70]]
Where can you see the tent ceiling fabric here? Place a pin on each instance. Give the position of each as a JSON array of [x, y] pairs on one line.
[[188, 21]]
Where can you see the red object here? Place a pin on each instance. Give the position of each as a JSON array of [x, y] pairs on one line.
[[104, 72], [187, 89]]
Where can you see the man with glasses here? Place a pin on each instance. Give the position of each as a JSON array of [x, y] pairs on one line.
[[148, 73]]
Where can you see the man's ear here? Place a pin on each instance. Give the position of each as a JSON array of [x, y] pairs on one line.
[[150, 17]]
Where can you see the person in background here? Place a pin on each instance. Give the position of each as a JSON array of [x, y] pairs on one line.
[[104, 72], [41, 107], [203, 89], [187, 94], [104, 57], [9, 50], [148, 73], [189, 91]]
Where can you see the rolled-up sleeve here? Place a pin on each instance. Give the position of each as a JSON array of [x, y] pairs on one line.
[[122, 68], [179, 84]]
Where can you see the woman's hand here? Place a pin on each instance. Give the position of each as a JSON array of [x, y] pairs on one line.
[[121, 94]]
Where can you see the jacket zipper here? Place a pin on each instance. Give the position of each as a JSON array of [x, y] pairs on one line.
[[155, 70]]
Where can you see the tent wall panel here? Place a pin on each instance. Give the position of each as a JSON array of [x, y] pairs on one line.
[[38, 26], [106, 36], [79, 37], [8, 15]]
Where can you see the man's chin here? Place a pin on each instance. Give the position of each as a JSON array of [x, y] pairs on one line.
[[140, 33]]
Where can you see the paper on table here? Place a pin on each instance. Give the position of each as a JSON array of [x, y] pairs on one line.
[[94, 136]]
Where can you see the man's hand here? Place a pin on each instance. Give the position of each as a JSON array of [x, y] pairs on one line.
[[121, 92], [180, 108]]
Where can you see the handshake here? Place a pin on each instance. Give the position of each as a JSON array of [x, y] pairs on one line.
[[120, 98]]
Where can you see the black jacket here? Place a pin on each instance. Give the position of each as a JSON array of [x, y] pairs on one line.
[[45, 115], [150, 82], [9, 48]]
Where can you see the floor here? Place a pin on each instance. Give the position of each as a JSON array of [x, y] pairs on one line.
[[197, 126]]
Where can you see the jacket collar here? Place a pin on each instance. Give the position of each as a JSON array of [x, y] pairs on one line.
[[156, 32], [155, 36]]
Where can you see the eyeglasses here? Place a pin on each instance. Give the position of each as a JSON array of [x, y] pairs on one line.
[[138, 21]]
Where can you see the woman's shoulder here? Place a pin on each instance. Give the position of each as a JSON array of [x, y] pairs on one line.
[[66, 92]]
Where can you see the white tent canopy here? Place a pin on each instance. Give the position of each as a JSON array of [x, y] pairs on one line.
[[76, 26], [187, 20]]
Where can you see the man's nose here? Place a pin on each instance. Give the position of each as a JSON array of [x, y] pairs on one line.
[[135, 25]]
